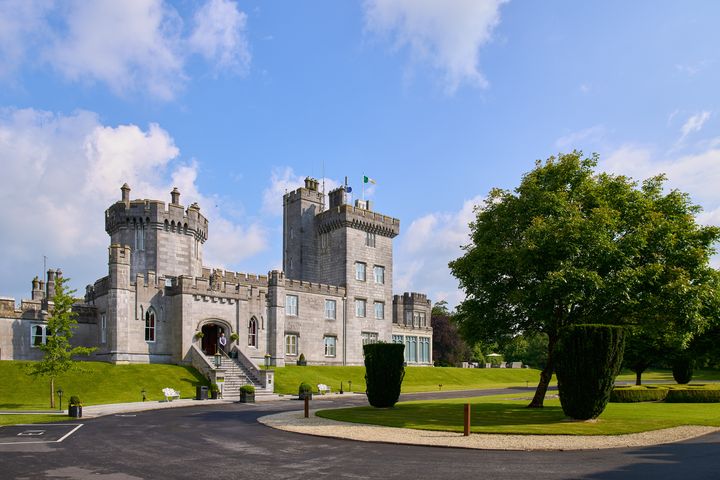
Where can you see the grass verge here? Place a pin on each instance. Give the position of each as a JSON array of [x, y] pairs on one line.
[[39, 418], [507, 414], [97, 383], [417, 379]]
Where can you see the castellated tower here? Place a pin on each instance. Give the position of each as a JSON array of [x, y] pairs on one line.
[[299, 232], [167, 241]]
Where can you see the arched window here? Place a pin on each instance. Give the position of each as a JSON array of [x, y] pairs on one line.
[[150, 325], [252, 332]]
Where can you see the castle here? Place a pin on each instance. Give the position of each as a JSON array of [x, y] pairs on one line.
[[159, 304]]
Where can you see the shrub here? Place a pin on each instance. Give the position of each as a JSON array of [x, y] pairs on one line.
[[588, 360], [234, 337], [632, 394], [384, 373], [75, 401], [305, 390], [247, 389], [693, 396], [682, 369], [301, 362], [214, 388]]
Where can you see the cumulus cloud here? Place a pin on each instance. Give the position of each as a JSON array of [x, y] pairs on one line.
[[423, 251], [137, 46], [219, 35], [62, 171], [448, 35]]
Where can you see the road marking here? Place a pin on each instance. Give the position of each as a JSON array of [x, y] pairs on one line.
[[30, 433], [39, 432], [126, 415]]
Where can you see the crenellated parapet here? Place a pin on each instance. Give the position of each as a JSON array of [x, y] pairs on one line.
[[310, 287], [358, 218], [412, 298]]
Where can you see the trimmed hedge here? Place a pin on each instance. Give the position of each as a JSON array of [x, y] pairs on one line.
[[682, 370], [693, 396], [588, 360], [633, 395], [384, 373]]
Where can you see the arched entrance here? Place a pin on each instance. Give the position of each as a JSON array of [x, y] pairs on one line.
[[211, 332]]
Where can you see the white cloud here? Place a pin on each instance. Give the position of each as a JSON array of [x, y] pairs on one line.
[[218, 34], [448, 34], [136, 46], [694, 124], [423, 251], [60, 174], [573, 140]]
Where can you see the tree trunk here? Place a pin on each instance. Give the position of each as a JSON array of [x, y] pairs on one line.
[[638, 377], [52, 392], [545, 375]]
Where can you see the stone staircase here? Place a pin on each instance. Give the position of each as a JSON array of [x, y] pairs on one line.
[[236, 375]]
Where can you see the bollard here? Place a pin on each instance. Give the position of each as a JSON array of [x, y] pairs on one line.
[[467, 420], [307, 406]]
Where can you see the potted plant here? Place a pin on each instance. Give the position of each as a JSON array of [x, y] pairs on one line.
[[301, 362], [214, 391], [247, 394], [199, 335], [75, 407], [305, 390], [234, 337]]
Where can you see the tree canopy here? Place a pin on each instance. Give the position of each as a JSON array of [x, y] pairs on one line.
[[572, 246], [58, 352]]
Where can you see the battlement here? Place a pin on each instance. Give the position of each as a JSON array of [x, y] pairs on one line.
[[238, 278], [358, 218], [411, 298], [303, 194], [156, 214], [310, 287]]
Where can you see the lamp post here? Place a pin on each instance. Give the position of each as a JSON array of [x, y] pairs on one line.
[[143, 394], [267, 361], [218, 358], [60, 394], [350, 386]]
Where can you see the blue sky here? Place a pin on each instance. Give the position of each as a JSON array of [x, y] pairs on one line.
[[235, 102]]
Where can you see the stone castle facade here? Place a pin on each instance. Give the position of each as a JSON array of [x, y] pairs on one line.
[[159, 304]]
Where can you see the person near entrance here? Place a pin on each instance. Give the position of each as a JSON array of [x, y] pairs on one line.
[[222, 341]]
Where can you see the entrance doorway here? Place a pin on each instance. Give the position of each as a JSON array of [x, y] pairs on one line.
[[211, 332]]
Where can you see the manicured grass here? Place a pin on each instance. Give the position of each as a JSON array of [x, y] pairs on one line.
[[655, 375], [97, 383], [508, 414], [22, 419], [417, 379]]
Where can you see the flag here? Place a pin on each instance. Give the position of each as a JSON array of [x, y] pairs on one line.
[[348, 189], [368, 180]]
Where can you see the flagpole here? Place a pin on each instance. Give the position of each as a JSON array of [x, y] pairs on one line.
[[363, 188]]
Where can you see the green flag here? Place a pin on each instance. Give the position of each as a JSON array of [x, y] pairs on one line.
[[368, 180]]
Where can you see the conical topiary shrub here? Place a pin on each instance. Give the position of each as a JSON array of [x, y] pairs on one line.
[[384, 373], [682, 369], [588, 358]]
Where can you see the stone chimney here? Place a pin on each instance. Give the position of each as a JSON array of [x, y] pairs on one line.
[[125, 189]]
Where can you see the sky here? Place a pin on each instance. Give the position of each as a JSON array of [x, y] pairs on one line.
[[236, 102]]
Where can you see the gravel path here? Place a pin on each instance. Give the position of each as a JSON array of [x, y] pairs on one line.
[[294, 422]]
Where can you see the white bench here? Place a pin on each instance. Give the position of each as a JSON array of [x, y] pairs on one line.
[[170, 393], [323, 389]]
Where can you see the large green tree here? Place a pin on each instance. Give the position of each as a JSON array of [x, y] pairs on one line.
[[58, 352], [571, 246], [449, 349]]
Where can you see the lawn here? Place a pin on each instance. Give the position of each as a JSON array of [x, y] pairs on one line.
[[508, 414], [23, 419], [656, 375], [97, 383], [417, 379]]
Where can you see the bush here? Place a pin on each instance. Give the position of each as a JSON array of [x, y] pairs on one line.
[[247, 389], [384, 373], [214, 388], [75, 401], [301, 362], [682, 369], [588, 360], [234, 337], [632, 395], [304, 389], [693, 396]]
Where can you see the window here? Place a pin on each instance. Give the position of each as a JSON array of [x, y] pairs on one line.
[[423, 320], [360, 271], [369, 337], [39, 335], [360, 305], [408, 318], [139, 236], [324, 241], [330, 309], [398, 339], [416, 319], [370, 239], [103, 328], [291, 344], [424, 350], [291, 305], [330, 343], [150, 325], [411, 349], [252, 332], [379, 274], [379, 310]]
